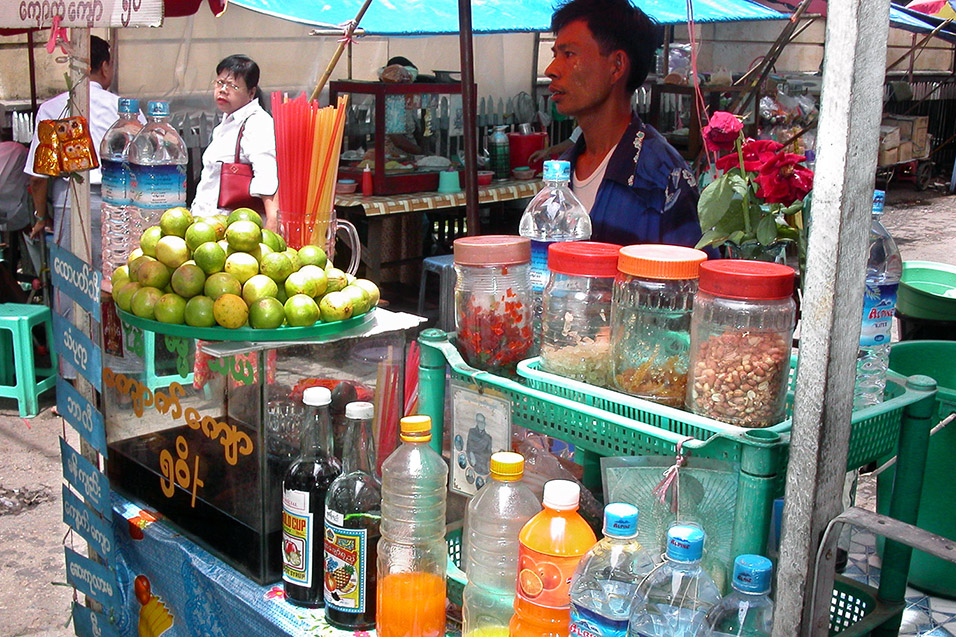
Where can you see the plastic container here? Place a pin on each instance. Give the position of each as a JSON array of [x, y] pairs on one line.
[[412, 552], [675, 599], [552, 544], [493, 301], [607, 578], [747, 610], [740, 341], [114, 164], [926, 301], [304, 489], [650, 321], [883, 270], [500, 155], [576, 323], [522, 145], [353, 509], [493, 519], [157, 158]]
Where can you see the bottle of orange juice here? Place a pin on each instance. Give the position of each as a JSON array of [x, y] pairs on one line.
[[551, 545], [412, 555]]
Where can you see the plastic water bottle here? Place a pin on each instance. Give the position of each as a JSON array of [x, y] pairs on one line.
[[157, 158], [884, 267], [492, 522], [552, 544], [747, 611], [607, 578], [675, 599], [554, 214], [412, 555], [500, 153], [115, 189]]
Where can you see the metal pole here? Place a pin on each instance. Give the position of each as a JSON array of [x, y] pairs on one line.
[[833, 300], [469, 100]]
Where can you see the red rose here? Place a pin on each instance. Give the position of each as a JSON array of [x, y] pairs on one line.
[[784, 180], [756, 152], [722, 131]]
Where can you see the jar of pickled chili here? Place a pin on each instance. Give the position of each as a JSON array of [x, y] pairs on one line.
[[493, 301], [576, 323], [650, 320], [741, 337]]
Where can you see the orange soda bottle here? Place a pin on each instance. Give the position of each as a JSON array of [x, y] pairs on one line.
[[551, 545]]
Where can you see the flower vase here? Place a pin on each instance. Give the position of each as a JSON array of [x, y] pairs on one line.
[[754, 251]]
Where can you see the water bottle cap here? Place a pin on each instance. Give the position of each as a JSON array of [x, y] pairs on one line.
[[583, 258], [752, 574], [128, 105], [685, 543], [359, 411], [879, 198], [158, 109], [317, 396], [747, 280], [620, 520], [672, 263], [491, 250], [416, 428], [557, 170], [561, 495], [507, 466]]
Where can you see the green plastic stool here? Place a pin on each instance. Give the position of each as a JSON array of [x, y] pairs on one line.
[[20, 319]]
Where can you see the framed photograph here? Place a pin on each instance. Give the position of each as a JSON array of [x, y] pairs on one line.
[[481, 427]]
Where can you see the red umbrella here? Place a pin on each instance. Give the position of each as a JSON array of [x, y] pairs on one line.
[[945, 9]]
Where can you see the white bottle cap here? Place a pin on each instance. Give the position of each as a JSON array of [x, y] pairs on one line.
[[359, 411], [317, 396], [561, 495]]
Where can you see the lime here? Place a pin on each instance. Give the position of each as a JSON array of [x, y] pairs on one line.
[[143, 303], [371, 288], [258, 287], [242, 265], [173, 251], [266, 314], [230, 311], [272, 240], [244, 214], [149, 239], [221, 283], [337, 279], [219, 223], [199, 312], [293, 255], [136, 264], [188, 280], [243, 235], [301, 310], [135, 254], [210, 257], [175, 221], [171, 308], [361, 302], [123, 295], [276, 266], [318, 277], [300, 283], [312, 255], [335, 306], [153, 274], [199, 233]]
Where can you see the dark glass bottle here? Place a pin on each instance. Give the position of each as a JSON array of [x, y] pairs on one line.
[[303, 503], [353, 510]]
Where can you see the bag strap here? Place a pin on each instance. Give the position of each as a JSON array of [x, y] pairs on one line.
[[239, 138]]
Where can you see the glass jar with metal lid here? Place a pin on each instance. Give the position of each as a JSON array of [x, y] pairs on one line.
[[741, 337], [576, 323], [493, 301], [650, 320]]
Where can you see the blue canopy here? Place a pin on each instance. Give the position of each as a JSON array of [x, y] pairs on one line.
[[903, 18], [434, 17]]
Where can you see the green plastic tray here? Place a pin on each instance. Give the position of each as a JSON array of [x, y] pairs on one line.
[[284, 333]]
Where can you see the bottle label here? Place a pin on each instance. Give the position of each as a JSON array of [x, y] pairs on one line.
[[115, 187], [539, 265], [346, 565], [161, 186], [594, 627], [879, 302], [297, 535], [545, 580]]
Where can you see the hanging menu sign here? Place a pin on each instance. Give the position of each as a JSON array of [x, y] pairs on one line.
[[86, 14], [95, 530], [77, 279], [88, 480], [81, 415], [88, 623], [93, 579], [76, 348]]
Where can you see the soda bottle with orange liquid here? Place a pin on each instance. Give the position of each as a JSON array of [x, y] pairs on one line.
[[551, 545], [412, 555]]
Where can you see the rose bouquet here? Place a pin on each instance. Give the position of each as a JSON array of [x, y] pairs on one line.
[[758, 198]]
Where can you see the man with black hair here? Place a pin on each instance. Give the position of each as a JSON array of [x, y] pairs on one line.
[[636, 186], [51, 195]]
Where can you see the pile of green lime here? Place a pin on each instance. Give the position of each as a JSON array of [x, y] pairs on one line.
[[232, 272]]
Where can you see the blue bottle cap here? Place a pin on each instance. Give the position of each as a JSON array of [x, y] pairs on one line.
[[685, 543], [752, 574], [128, 105], [158, 109], [620, 520], [556, 170], [879, 198]]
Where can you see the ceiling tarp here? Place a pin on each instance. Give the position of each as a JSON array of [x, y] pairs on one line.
[[434, 17]]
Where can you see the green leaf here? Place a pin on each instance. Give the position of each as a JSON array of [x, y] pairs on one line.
[[713, 203], [733, 218], [711, 237], [786, 233], [740, 185], [738, 237], [767, 230]]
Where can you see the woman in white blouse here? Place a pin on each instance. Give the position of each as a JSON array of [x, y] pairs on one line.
[[236, 89]]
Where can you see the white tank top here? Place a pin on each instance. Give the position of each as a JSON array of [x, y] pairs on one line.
[[586, 189]]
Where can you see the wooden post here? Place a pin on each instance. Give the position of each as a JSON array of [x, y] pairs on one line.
[[469, 104], [847, 146]]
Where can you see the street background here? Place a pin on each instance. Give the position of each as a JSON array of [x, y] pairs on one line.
[[33, 597]]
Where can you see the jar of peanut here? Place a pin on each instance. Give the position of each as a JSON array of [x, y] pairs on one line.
[[650, 320], [741, 336], [576, 322]]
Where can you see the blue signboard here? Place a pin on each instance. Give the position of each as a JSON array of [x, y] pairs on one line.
[[78, 350], [87, 479], [93, 579], [81, 414], [76, 278], [95, 530], [87, 623]]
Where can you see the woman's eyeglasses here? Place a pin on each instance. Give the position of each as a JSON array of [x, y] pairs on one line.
[[222, 84]]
